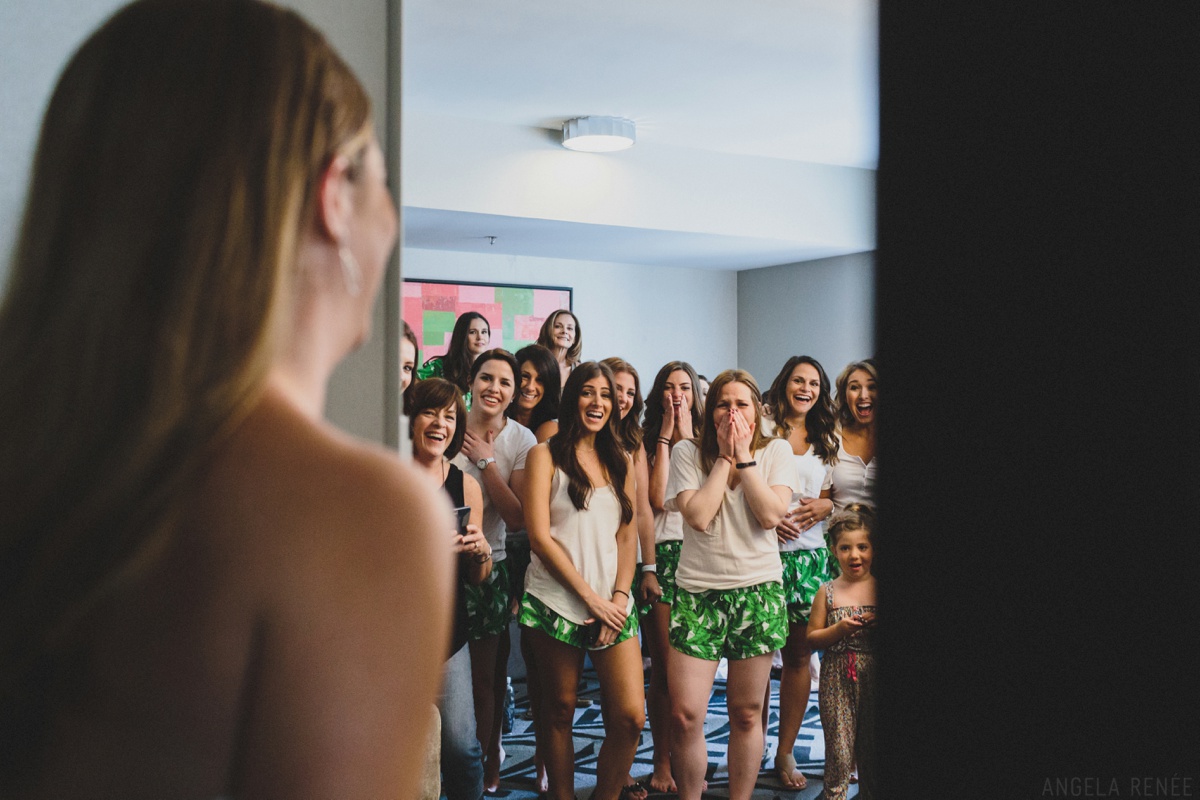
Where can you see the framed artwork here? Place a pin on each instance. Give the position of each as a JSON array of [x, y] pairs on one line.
[[514, 312]]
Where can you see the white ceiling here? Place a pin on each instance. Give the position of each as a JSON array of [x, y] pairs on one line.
[[726, 91]]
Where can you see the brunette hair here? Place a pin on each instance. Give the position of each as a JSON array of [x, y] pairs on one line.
[[612, 455], [436, 394], [819, 423], [456, 363], [854, 517], [546, 336], [845, 417], [654, 410], [709, 447], [155, 272], [496, 354], [548, 373], [629, 428]]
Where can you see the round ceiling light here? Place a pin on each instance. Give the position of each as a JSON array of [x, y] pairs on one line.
[[598, 134]]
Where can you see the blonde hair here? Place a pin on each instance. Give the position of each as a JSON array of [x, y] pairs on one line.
[[710, 449], [176, 168]]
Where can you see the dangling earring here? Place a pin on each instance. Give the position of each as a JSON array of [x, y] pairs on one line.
[[351, 272]]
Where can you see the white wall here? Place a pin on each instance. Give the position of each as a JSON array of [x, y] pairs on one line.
[[824, 309], [646, 315]]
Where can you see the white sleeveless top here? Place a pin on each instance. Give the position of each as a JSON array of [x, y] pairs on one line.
[[589, 538], [815, 477]]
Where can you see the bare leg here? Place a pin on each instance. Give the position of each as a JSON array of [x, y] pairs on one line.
[[499, 687], [691, 686], [623, 698], [748, 678], [483, 671], [560, 666], [794, 690], [659, 699], [532, 681]]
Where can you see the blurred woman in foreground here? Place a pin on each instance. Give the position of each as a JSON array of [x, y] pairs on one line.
[[199, 576]]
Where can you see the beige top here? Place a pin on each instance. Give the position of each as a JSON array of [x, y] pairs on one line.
[[735, 551], [589, 538]]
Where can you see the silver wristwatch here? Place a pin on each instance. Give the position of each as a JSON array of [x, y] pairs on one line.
[[483, 463]]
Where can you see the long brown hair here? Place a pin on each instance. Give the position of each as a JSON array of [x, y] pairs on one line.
[[546, 336], [154, 275], [456, 364], [652, 424], [845, 416], [709, 447], [609, 450], [819, 423], [629, 428]]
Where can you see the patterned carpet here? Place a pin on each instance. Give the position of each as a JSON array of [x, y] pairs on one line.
[[517, 774]]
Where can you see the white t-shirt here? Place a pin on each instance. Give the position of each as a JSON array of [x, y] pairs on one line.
[[735, 551], [589, 538], [853, 480], [815, 477], [512, 445]]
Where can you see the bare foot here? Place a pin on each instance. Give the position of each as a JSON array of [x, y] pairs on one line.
[[542, 781], [491, 770], [789, 776], [663, 782]]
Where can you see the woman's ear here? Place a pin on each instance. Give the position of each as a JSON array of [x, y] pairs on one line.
[[335, 200]]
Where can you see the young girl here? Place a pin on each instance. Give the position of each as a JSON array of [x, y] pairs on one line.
[[803, 416], [562, 336], [470, 337], [438, 416], [733, 488], [672, 416], [579, 509], [493, 453], [842, 624]]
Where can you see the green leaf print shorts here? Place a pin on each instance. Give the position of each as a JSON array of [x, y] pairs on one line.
[[539, 616], [803, 573], [487, 604], [729, 623]]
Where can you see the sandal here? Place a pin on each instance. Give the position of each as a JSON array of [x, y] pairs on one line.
[[634, 791], [785, 768]]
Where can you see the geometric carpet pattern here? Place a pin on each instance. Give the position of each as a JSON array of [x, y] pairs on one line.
[[517, 773]]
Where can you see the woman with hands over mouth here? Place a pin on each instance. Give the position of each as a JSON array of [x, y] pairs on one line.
[[579, 502], [733, 487], [437, 419], [493, 453], [672, 416]]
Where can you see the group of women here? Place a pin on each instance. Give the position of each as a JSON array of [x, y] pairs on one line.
[[699, 523]]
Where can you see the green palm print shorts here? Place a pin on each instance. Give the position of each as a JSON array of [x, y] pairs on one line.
[[803, 573], [730, 623], [487, 604], [666, 559], [539, 616]]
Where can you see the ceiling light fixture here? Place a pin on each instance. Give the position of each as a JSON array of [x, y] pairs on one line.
[[598, 134]]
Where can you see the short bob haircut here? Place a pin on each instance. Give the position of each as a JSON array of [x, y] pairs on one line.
[[546, 336], [845, 416], [436, 394], [709, 448]]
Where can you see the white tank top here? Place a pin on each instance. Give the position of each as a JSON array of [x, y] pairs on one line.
[[589, 538]]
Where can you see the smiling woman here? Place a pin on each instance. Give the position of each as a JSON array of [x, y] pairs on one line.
[[562, 336], [470, 338], [854, 473]]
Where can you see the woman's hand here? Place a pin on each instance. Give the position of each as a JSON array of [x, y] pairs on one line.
[[740, 436], [667, 429], [610, 613], [476, 447], [812, 510], [682, 419], [789, 528], [474, 543], [650, 591]]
